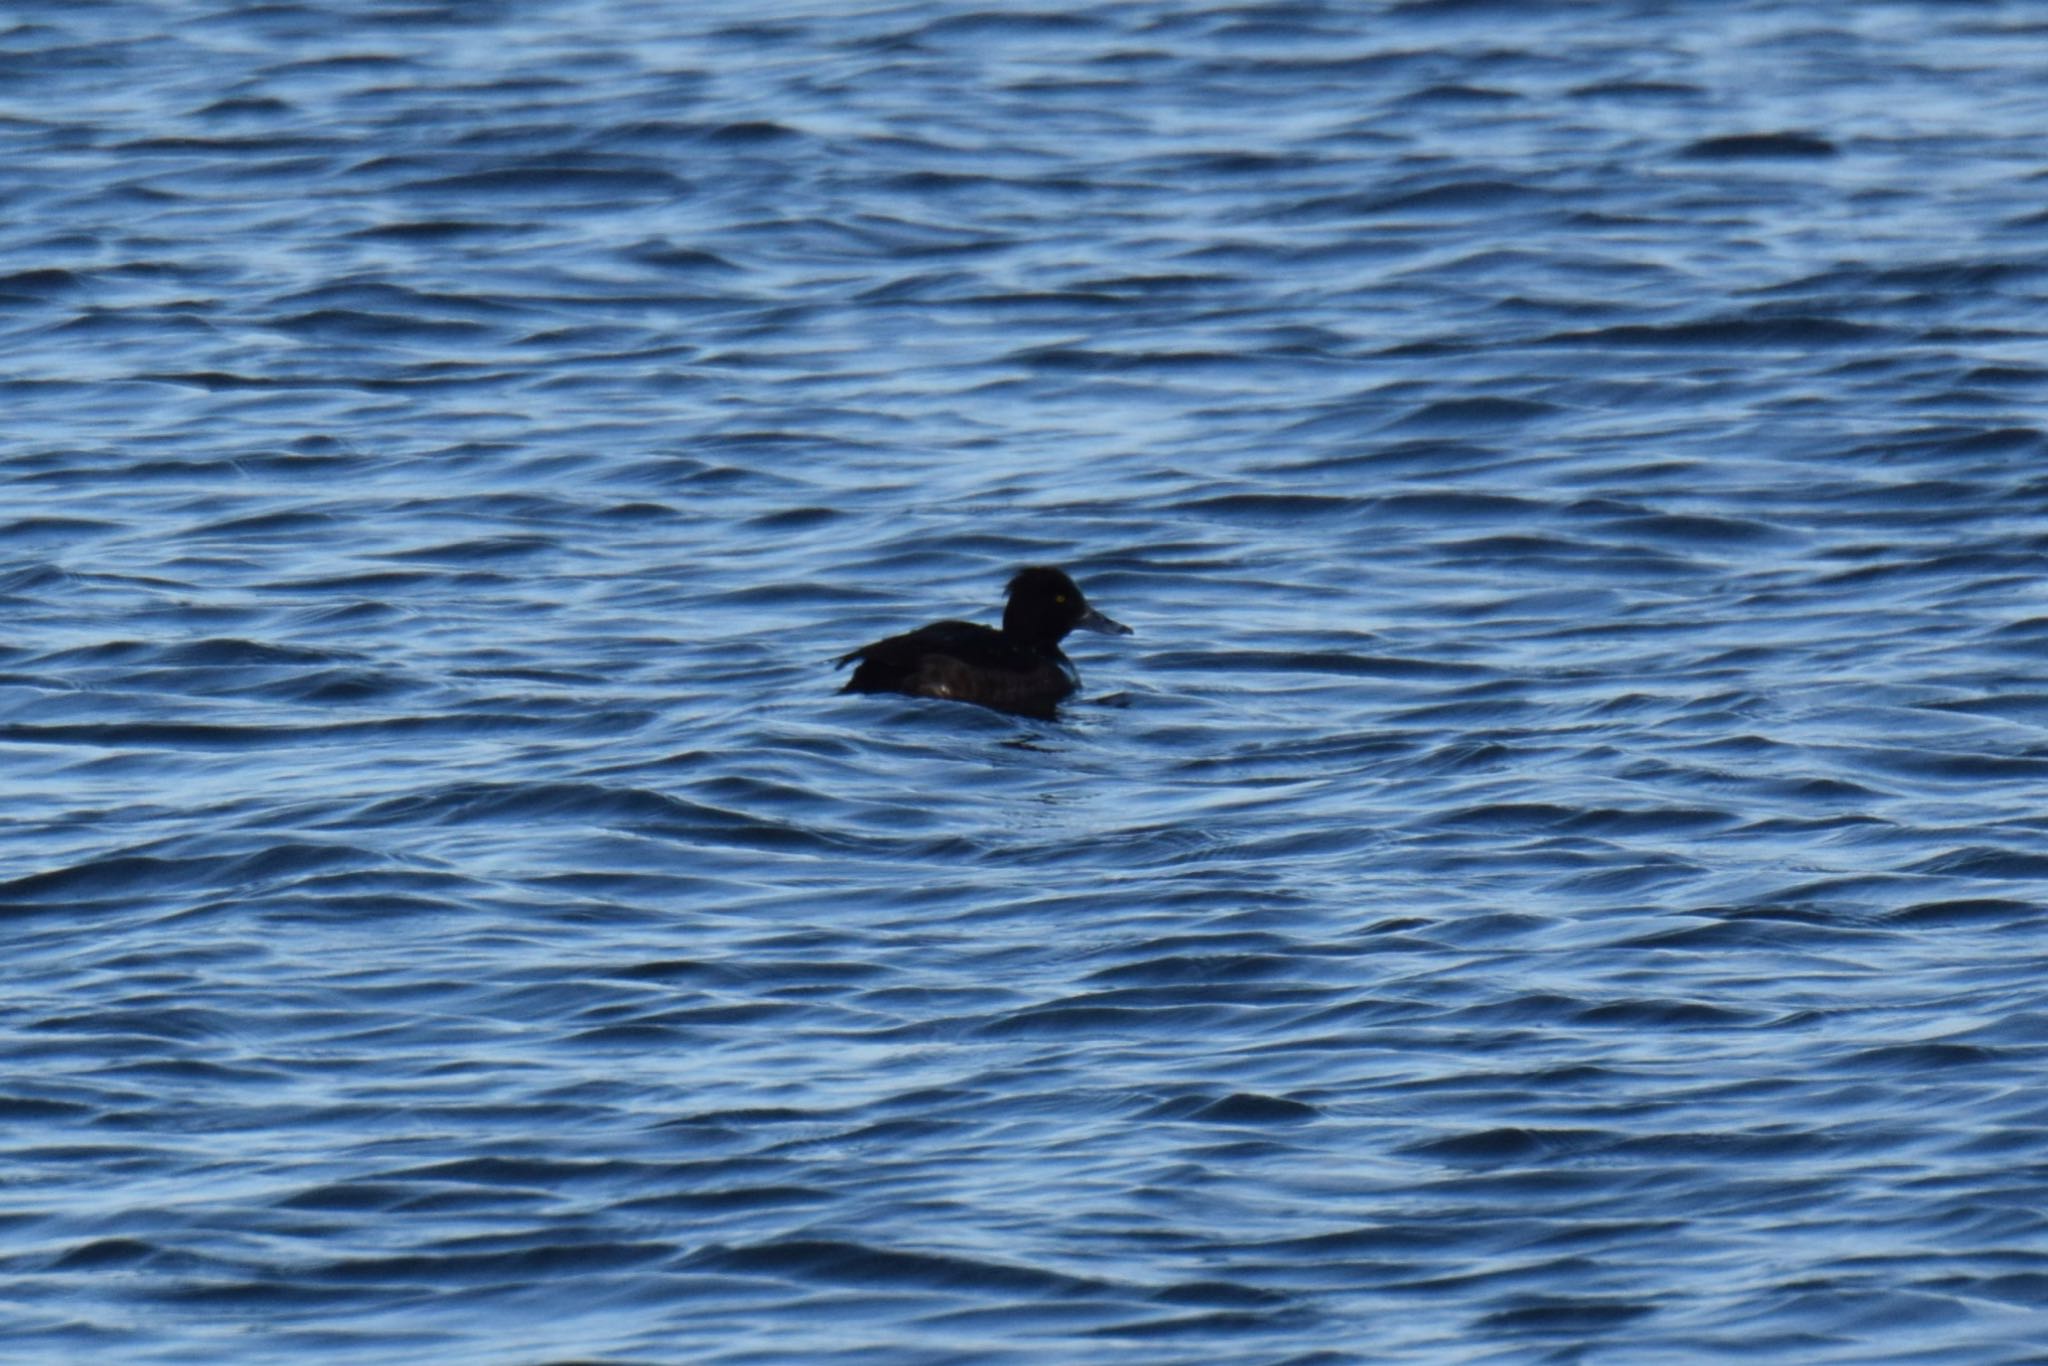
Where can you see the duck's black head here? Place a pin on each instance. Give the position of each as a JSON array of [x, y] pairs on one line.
[[1044, 605]]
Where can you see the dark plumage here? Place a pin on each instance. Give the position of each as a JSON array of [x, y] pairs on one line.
[[1017, 669]]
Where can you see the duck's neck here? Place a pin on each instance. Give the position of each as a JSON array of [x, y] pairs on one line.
[[1031, 629], [1033, 633]]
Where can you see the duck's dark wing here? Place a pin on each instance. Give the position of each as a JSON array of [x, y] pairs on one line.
[[885, 664], [965, 661]]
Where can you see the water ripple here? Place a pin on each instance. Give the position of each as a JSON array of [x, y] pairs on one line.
[[1570, 815]]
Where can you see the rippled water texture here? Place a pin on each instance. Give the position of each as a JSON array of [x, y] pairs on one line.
[[1557, 873]]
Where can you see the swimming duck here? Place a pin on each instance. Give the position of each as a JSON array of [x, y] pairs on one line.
[[1018, 669]]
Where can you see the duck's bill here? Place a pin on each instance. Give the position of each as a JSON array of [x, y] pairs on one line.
[[1095, 621]]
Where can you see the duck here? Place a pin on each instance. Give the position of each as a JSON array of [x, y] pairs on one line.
[[1018, 669]]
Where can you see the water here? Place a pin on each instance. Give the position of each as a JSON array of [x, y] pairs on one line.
[[1557, 874]]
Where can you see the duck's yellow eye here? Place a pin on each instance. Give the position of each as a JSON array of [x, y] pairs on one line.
[[1060, 598]]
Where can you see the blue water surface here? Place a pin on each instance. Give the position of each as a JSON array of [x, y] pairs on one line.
[[1557, 874]]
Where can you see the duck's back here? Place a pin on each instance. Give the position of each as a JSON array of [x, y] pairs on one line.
[[963, 661]]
